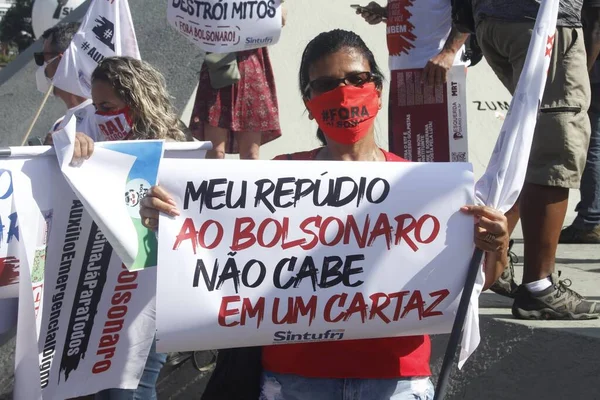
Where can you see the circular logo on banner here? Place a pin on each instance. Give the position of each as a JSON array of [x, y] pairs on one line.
[[135, 191], [46, 13]]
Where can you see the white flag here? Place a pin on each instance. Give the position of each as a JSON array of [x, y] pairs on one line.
[[106, 31], [501, 184]]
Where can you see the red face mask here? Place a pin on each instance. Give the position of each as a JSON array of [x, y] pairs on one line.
[[347, 113], [114, 125]]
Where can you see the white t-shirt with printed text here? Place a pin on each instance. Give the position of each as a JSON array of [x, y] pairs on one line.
[[85, 120], [417, 31]]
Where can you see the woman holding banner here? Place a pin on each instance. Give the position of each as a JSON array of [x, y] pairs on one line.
[[131, 103], [236, 103], [130, 95], [338, 71]]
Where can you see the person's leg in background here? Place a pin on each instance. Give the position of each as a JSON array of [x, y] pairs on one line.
[[146, 389], [218, 137], [249, 145], [556, 161], [586, 227], [555, 165]]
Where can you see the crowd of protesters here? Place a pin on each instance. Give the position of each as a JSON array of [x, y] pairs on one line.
[[236, 108]]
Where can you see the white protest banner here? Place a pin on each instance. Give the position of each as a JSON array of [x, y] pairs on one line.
[[9, 233], [224, 26], [265, 252], [35, 206], [98, 324], [96, 318], [10, 263], [26, 376], [9, 242], [428, 123], [500, 185], [106, 31], [98, 327]]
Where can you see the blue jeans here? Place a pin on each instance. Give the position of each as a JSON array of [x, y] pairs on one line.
[[294, 387], [146, 389], [588, 209]]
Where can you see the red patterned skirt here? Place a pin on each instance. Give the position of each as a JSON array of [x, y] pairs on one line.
[[248, 106]]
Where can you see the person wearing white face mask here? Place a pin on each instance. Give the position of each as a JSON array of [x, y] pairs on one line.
[[56, 42]]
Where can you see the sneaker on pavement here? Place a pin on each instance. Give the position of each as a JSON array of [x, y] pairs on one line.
[[205, 360], [556, 302], [572, 235], [505, 285], [176, 359]]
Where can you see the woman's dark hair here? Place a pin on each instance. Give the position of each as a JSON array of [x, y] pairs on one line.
[[328, 43]]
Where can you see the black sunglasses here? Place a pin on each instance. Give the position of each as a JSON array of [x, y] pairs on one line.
[[39, 57], [327, 84]]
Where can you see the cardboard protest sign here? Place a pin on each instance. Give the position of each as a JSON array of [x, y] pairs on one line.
[[265, 252], [428, 123], [223, 26]]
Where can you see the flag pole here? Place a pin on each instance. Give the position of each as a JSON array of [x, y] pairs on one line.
[[459, 322], [37, 115]]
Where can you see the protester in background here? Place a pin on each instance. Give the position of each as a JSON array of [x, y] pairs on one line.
[[133, 92], [438, 51], [339, 70], [56, 42], [504, 29], [442, 47], [586, 227], [236, 103]]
